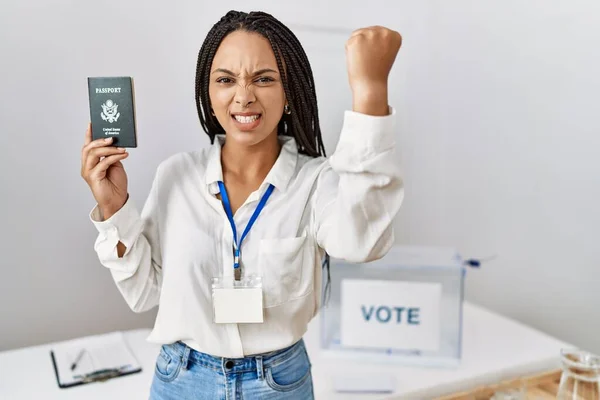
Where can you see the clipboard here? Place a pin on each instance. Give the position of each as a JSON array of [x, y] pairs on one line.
[[106, 357]]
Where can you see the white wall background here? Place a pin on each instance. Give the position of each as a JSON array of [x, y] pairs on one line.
[[498, 129]]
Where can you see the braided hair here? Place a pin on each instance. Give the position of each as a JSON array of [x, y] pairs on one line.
[[297, 80]]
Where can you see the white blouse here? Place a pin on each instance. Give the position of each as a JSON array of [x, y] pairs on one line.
[[344, 204]]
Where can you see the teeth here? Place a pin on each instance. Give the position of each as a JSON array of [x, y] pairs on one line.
[[246, 120]]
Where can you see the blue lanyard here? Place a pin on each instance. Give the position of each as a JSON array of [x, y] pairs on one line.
[[261, 205]]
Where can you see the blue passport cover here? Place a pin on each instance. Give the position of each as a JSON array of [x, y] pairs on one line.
[[112, 109]]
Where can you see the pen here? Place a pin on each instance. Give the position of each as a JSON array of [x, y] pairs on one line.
[[77, 359]]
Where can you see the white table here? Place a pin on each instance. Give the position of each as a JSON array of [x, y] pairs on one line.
[[494, 348]]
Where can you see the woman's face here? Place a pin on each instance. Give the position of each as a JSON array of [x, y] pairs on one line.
[[245, 88]]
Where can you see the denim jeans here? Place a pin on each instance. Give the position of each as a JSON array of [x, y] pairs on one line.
[[183, 373]]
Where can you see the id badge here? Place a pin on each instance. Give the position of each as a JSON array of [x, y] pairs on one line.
[[237, 301]]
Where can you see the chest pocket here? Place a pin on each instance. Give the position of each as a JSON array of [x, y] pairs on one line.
[[287, 268]]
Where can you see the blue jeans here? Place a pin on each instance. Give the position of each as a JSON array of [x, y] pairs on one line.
[[183, 373]]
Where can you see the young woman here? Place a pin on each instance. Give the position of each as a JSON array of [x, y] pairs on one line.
[[230, 241]]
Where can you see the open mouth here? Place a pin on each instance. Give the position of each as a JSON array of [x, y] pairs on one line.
[[247, 121]]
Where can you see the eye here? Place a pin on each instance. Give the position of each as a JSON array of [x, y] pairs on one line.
[[224, 80], [265, 79]]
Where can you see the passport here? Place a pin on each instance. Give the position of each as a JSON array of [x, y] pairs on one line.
[[112, 109]]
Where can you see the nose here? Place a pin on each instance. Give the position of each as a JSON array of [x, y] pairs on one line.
[[244, 96]]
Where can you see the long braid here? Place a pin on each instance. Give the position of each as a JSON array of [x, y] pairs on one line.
[[296, 77], [307, 104]]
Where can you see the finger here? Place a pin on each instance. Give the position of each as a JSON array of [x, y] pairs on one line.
[[99, 142], [87, 141], [88, 134], [100, 152], [87, 155], [88, 147], [95, 154], [95, 143], [106, 162]]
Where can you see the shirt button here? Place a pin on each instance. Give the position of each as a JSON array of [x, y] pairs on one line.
[[229, 364]]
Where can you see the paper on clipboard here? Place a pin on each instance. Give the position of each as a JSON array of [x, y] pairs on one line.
[[100, 352]]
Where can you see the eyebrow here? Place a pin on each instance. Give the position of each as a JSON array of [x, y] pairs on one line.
[[259, 72]]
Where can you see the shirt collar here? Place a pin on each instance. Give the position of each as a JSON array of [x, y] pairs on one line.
[[279, 176]]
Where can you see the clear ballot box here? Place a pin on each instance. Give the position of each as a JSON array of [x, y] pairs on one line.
[[404, 308]]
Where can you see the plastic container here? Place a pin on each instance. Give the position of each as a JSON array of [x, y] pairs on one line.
[[442, 267]]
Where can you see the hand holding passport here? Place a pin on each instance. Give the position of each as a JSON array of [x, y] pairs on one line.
[[111, 130], [112, 109]]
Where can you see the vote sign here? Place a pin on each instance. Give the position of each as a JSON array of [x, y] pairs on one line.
[[390, 314]]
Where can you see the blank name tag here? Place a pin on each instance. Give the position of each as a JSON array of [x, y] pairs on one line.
[[238, 305]]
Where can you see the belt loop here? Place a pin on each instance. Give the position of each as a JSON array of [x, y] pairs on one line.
[[259, 368], [185, 357]]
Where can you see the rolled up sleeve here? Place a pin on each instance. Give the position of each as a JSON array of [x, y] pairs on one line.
[[360, 190]]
